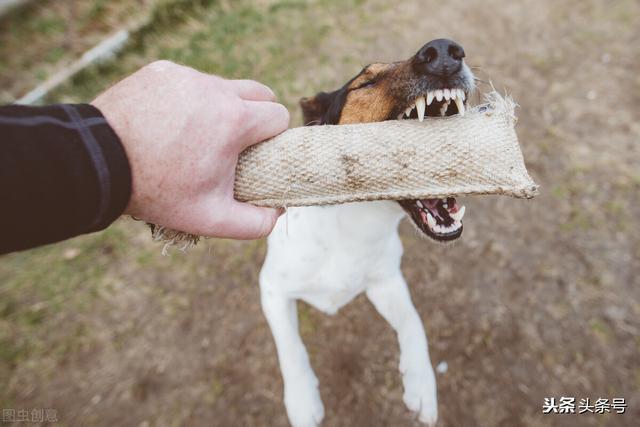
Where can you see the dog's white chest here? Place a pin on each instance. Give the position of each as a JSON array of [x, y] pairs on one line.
[[328, 255]]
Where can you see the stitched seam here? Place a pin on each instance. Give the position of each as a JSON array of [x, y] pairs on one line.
[[99, 162], [46, 120]]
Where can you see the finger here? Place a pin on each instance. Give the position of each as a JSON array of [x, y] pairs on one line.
[[263, 120], [246, 222], [251, 90]]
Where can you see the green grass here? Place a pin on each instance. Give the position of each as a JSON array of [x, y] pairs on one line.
[[239, 41]]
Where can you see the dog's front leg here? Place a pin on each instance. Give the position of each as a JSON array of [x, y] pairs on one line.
[[301, 395], [392, 300]]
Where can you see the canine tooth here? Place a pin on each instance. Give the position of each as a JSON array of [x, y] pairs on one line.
[[458, 215], [461, 94], [431, 221], [460, 105], [430, 97], [447, 94], [420, 107], [439, 95], [419, 203]]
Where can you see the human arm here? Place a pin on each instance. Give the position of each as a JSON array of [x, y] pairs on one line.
[[160, 145]]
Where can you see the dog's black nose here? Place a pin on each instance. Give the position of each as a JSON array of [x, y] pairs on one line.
[[441, 57]]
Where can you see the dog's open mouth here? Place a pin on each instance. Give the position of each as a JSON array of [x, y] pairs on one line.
[[440, 219]]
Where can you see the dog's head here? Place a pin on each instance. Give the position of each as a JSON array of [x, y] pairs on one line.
[[434, 82]]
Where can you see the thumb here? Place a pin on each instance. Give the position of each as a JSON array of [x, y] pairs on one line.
[[248, 222]]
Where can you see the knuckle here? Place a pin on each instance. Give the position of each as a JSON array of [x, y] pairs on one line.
[[264, 89], [161, 64]]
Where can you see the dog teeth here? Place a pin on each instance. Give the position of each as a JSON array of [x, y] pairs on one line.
[[420, 107], [419, 203], [430, 97], [444, 229], [460, 105], [448, 95], [408, 111], [458, 215], [431, 221]]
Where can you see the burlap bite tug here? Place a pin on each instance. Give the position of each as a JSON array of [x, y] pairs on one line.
[[397, 159]]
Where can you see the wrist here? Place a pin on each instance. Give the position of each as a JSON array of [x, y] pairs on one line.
[[112, 166], [124, 171]]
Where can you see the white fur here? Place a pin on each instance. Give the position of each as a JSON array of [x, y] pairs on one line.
[[326, 256]]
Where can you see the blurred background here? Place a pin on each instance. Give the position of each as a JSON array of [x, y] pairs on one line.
[[539, 299]]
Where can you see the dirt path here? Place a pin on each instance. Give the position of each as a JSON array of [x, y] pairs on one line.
[[540, 299]]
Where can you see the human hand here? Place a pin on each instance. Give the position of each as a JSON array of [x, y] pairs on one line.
[[182, 131]]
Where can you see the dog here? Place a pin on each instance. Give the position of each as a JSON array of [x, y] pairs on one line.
[[327, 255]]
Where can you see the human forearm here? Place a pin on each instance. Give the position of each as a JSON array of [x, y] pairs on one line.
[[63, 172]]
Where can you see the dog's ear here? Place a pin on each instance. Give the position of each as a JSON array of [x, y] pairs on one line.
[[324, 108]]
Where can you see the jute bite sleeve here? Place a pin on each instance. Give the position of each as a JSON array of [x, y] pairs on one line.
[[477, 153]]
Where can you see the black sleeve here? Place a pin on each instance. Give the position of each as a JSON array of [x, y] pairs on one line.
[[63, 172]]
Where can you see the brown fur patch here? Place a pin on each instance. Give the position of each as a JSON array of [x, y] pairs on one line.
[[373, 95], [369, 97]]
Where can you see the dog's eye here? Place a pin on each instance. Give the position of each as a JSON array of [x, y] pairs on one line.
[[366, 84]]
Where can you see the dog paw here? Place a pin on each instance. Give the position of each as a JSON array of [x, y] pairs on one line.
[[303, 403], [420, 396]]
